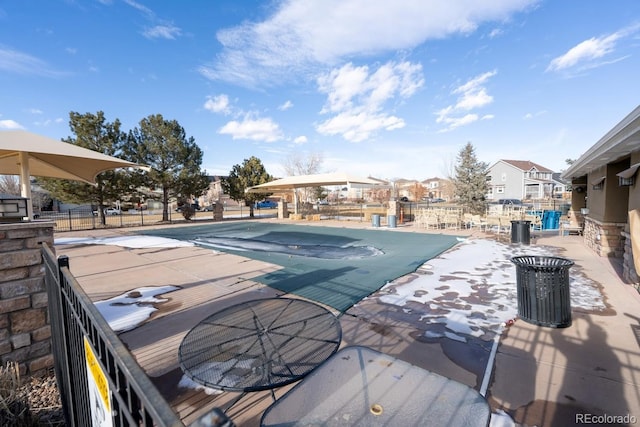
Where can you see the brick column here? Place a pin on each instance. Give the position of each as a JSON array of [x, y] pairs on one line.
[[25, 331]]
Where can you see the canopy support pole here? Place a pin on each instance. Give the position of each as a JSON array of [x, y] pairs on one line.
[[25, 182]]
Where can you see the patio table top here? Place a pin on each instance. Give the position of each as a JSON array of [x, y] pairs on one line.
[[260, 344]]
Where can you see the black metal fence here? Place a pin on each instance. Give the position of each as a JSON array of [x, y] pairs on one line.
[[86, 219], [97, 376]]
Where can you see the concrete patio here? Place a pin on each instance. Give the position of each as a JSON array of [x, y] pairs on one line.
[[539, 376]]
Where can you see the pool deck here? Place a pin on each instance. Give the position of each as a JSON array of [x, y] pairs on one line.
[[540, 376]]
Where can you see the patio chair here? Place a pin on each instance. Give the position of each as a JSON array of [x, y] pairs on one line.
[[451, 220], [493, 224], [536, 222], [421, 218], [431, 220], [474, 221]]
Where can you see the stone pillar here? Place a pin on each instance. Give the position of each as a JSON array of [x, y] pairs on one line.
[[629, 273], [394, 209], [25, 330], [604, 238]]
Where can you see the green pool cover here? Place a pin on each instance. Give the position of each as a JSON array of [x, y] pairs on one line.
[[334, 266]]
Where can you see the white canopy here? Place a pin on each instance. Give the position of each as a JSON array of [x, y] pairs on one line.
[[290, 183], [28, 154], [318, 180]]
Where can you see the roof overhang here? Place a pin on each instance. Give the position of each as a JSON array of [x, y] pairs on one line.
[[628, 173], [618, 143]]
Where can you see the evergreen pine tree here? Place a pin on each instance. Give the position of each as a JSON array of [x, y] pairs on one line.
[[173, 158], [470, 181]]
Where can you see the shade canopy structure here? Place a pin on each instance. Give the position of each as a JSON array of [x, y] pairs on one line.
[[28, 154], [291, 183]]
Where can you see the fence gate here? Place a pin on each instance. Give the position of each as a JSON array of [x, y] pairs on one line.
[[100, 382]]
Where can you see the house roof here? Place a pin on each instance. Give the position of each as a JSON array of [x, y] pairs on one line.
[[435, 178], [527, 165], [619, 142]]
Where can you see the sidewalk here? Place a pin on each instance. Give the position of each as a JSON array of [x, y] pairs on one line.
[[563, 377], [541, 376]]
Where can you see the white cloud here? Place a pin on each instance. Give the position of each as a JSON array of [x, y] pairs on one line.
[[586, 51], [145, 10], [22, 63], [530, 116], [300, 140], [294, 39], [254, 129], [455, 122], [472, 95], [10, 124], [48, 122], [284, 107], [357, 97], [218, 104], [358, 127], [496, 32], [160, 28], [590, 53], [162, 31]]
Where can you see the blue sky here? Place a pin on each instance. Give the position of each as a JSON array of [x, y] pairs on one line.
[[380, 88]]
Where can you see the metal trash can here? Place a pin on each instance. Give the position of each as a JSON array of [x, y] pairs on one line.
[[391, 221], [375, 220], [521, 232], [543, 290]]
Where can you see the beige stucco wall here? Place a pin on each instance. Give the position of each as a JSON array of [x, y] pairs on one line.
[[616, 208], [596, 198], [634, 190]]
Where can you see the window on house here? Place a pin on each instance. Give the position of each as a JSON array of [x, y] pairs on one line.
[[500, 190], [626, 182], [598, 184], [627, 177]]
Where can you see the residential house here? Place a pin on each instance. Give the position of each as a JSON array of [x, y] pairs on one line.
[[559, 186], [606, 194], [519, 179], [438, 188], [404, 187]]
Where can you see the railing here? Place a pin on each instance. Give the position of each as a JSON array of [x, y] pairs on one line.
[[85, 219], [99, 381]]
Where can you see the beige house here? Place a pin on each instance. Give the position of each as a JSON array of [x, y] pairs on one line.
[[606, 194], [438, 188]]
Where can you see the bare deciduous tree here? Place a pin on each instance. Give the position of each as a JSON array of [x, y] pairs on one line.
[[298, 164], [417, 191], [9, 184]]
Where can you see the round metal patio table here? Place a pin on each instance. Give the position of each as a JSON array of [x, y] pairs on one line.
[[260, 344]]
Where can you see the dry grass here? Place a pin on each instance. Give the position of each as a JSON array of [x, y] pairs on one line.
[[14, 411], [34, 402]]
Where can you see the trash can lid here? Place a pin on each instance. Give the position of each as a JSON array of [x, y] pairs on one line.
[[538, 261]]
